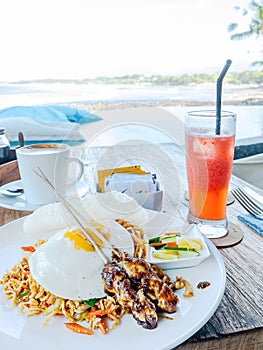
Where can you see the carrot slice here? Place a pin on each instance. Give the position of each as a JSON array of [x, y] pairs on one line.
[[172, 233], [158, 244], [75, 327], [101, 312], [171, 244], [29, 248]]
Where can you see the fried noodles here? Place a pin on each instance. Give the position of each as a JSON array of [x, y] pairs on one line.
[[137, 235], [33, 299]]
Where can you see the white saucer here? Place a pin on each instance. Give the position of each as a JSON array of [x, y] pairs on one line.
[[20, 203]]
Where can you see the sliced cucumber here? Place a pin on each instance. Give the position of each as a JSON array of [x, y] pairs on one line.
[[159, 247], [184, 249], [154, 240], [169, 238]]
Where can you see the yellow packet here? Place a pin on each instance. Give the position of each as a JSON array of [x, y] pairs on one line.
[[104, 173]]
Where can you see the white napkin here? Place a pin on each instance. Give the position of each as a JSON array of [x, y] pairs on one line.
[[131, 184]]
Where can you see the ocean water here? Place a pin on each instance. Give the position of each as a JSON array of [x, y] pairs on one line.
[[249, 118], [33, 93]]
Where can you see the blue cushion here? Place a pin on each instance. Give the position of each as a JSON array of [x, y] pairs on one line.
[[50, 113]]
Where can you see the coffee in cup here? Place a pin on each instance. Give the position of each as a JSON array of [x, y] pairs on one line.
[[55, 161]]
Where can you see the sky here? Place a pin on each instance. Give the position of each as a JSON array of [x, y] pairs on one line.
[[77, 39]]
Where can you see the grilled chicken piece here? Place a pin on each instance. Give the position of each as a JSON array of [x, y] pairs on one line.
[[143, 276], [135, 268], [144, 311], [117, 257], [126, 294], [112, 277], [116, 281], [160, 293]]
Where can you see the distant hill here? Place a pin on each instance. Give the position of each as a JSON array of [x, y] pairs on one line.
[[238, 78]]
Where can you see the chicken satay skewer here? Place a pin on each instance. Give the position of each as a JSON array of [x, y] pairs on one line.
[[116, 281], [142, 274]]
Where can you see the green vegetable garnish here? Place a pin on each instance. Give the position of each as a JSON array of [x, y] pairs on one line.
[[23, 294], [90, 302], [169, 238], [154, 240], [179, 248], [82, 316]]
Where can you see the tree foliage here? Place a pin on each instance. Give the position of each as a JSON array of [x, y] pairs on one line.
[[254, 27], [253, 77], [237, 78]]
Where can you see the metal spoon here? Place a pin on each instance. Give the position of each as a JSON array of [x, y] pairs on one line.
[[9, 192], [21, 139]]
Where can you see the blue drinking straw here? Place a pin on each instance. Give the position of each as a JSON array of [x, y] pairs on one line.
[[219, 95]]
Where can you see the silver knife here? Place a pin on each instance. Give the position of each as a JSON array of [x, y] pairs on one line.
[[253, 194]]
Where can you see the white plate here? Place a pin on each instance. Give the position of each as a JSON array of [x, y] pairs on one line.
[[160, 223], [19, 332], [20, 203]]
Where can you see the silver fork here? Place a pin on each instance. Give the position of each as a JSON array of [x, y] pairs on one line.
[[247, 202]]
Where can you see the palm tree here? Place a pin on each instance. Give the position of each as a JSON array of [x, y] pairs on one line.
[[255, 27]]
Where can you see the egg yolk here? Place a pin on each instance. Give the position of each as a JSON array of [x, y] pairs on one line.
[[79, 241]]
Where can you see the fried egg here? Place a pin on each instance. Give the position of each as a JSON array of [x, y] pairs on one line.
[[68, 266]]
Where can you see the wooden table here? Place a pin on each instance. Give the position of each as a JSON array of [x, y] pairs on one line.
[[238, 321]]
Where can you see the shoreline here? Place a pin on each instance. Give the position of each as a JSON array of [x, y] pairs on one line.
[[120, 96], [110, 105]]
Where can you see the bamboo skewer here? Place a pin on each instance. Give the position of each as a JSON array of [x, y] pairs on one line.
[[76, 215]]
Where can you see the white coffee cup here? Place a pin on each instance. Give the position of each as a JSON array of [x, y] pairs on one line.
[[55, 161]]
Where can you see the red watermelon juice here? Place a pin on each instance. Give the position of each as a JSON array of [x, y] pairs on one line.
[[209, 165]]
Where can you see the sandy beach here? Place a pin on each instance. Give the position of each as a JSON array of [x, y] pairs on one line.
[[253, 100], [164, 117], [159, 123], [256, 100]]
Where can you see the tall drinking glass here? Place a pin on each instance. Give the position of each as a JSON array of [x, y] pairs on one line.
[[209, 159]]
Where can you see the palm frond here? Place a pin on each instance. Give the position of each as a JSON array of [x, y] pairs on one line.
[[232, 27], [241, 36]]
